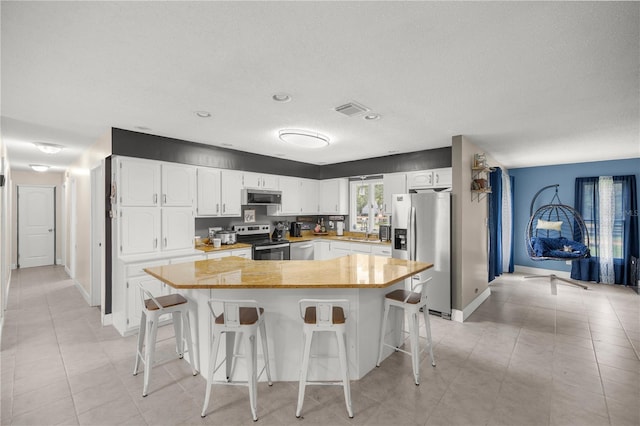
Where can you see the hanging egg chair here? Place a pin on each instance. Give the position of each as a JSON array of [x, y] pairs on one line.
[[556, 231]]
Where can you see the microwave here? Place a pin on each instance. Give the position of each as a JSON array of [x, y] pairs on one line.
[[261, 197]]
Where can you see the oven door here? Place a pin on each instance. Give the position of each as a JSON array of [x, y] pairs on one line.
[[272, 252]]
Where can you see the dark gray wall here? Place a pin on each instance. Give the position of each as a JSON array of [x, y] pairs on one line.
[[142, 145]]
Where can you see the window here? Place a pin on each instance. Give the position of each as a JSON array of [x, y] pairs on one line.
[[589, 208], [366, 201]]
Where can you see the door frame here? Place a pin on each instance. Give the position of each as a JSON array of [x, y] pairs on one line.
[[55, 228], [97, 233]]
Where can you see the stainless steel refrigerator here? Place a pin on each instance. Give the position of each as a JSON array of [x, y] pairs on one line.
[[421, 228]]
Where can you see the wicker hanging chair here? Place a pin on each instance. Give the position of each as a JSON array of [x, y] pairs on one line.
[[556, 231]]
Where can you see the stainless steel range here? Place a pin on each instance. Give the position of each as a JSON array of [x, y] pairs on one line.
[[264, 247]]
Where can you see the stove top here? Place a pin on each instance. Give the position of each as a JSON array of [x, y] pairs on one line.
[[256, 234]]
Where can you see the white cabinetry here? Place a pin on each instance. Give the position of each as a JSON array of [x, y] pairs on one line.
[[208, 188], [178, 227], [435, 178], [381, 250], [259, 181], [334, 196], [291, 197], [394, 183], [178, 185], [139, 230], [139, 182], [309, 195], [322, 250], [231, 192], [339, 249]]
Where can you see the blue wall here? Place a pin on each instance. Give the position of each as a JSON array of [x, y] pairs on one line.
[[529, 180]]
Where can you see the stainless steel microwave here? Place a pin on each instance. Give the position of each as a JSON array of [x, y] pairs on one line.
[[261, 197]]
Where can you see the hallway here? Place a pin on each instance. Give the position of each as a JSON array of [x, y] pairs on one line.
[[524, 357]]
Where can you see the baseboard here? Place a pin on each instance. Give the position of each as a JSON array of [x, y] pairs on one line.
[[527, 270], [67, 270], [461, 316], [107, 319], [13, 266], [83, 292], [58, 261]]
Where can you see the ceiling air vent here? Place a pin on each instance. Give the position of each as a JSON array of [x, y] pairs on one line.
[[352, 109]]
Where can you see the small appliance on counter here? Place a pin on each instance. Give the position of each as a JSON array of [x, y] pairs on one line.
[[212, 233], [278, 232], [226, 237], [384, 233], [264, 248], [339, 229], [295, 229]]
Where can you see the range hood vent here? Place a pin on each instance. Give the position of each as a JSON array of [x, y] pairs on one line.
[[352, 109]]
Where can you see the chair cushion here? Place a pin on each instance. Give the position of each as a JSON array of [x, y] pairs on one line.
[[248, 316], [167, 301], [400, 295], [310, 315]]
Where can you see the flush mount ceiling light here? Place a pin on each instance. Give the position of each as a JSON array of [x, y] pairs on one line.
[[39, 167], [372, 116], [203, 114], [48, 148], [303, 138], [281, 97]]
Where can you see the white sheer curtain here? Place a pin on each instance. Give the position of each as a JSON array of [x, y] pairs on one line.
[[606, 210], [506, 220]]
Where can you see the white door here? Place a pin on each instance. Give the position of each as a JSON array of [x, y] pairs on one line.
[[36, 229]]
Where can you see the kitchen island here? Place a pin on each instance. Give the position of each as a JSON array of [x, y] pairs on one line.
[[278, 285]]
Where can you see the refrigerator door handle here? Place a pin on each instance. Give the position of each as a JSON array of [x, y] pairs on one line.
[[412, 234]]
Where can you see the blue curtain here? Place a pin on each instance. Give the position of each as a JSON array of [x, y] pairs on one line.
[[586, 196], [511, 252], [495, 224]]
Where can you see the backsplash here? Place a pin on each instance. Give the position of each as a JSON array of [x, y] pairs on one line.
[[204, 223]]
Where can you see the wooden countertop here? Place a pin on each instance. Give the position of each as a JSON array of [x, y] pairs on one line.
[[233, 272]]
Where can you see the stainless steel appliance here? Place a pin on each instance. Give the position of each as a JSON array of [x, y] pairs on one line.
[[421, 225], [295, 229], [302, 251], [263, 247], [261, 197], [384, 232]]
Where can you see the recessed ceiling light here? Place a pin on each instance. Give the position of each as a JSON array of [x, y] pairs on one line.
[[281, 155], [49, 148], [395, 151], [226, 144], [142, 128], [372, 116], [203, 114], [281, 97], [39, 167], [303, 138]]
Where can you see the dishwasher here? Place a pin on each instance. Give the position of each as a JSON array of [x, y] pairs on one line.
[[302, 251]]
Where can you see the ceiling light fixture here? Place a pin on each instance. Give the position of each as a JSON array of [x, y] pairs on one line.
[[372, 116], [303, 138], [48, 148], [281, 97], [39, 167], [203, 114]]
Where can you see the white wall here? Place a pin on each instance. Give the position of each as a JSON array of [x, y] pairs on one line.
[[5, 242]]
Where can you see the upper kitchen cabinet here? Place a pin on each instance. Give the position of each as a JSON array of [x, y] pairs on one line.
[[393, 183], [425, 179], [178, 228], [334, 196], [178, 185], [208, 192], [230, 192], [139, 230], [309, 195], [139, 182], [259, 181], [291, 197]]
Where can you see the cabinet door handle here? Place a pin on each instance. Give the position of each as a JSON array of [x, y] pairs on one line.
[[164, 198], [217, 207], [155, 243], [165, 241], [437, 178], [155, 198], [224, 208]]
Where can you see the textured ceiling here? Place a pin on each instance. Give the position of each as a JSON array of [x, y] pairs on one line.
[[532, 83]]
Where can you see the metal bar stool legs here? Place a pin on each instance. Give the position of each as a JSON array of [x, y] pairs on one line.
[[244, 318], [324, 315], [152, 309], [412, 302]]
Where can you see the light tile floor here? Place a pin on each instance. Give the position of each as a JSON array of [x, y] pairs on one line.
[[525, 357]]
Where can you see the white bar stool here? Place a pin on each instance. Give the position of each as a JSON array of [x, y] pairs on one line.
[[412, 302], [324, 315], [152, 308], [244, 317]]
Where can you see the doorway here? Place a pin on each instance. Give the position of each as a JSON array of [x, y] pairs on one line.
[[36, 226], [97, 235]]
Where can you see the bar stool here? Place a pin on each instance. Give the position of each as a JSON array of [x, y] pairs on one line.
[[412, 302], [324, 315], [244, 317], [152, 308]]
